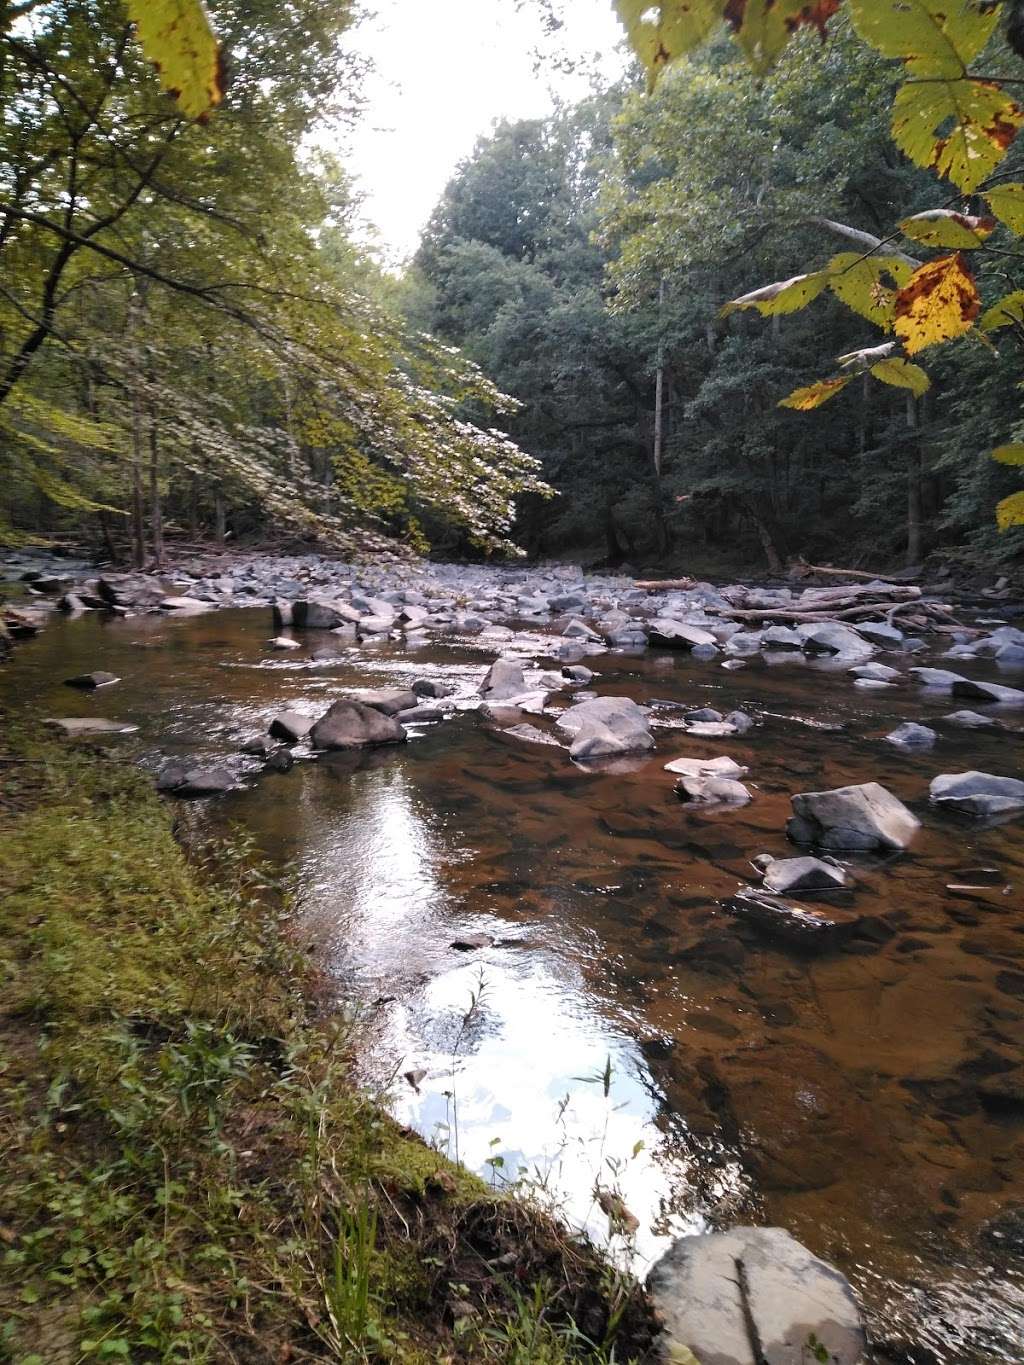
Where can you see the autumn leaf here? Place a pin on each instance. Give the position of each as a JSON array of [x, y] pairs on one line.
[[902, 374], [763, 27], [178, 38], [868, 285], [786, 296], [938, 302], [1009, 454], [981, 118], [1010, 512], [935, 37], [1008, 310], [1007, 203], [661, 32], [947, 228], [813, 395]]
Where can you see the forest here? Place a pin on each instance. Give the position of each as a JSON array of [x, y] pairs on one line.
[[196, 346]]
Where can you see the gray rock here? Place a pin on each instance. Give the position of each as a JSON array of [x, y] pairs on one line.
[[744, 642], [73, 726], [794, 876], [504, 679], [879, 633], [353, 725], [939, 679], [791, 925], [577, 674], [279, 760], [313, 615], [781, 637], [704, 652], [979, 794], [863, 817], [183, 780], [705, 713], [532, 734], [597, 740], [283, 642], [579, 630], [390, 700], [875, 672], [753, 1296], [88, 682], [1005, 696], [291, 726], [911, 736], [374, 625], [709, 790], [432, 687], [706, 767], [666, 633], [970, 720], [620, 717], [570, 601], [829, 637]]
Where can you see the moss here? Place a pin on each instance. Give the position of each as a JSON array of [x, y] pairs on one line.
[[189, 1174]]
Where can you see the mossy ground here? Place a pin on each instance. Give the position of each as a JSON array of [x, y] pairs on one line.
[[187, 1172]]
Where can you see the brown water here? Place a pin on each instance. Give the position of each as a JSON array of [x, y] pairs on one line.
[[837, 1095]]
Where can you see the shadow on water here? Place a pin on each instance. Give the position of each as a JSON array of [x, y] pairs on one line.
[[870, 1099]]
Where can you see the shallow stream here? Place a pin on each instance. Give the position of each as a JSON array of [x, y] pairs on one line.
[[624, 1027]]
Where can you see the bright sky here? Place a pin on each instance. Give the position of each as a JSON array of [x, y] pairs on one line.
[[445, 70]]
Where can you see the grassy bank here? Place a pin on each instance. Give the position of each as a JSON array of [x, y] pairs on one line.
[[187, 1172]]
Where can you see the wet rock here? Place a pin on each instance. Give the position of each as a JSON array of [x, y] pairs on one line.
[[374, 625], [353, 725], [911, 736], [257, 747], [606, 726], [796, 876], [1005, 1232], [314, 615], [710, 790], [469, 942], [744, 642], [183, 606], [283, 642], [279, 760], [504, 679], [291, 726], [668, 634], [579, 630], [1005, 696], [570, 601], [88, 682], [875, 672], [706, 713], [793, 926], [864, 817], [530, 734], [390, 700], [829, 637], [781, 637], [75, 726], [282, 613], [879, 633], [577, 674], [753, 1296], [182, 779], [938, 679], [432, 687], [976, 793], [970, 720], [706, 767]]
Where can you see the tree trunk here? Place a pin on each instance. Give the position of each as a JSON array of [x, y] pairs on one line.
[[219, 516], [138, 505], [193, 507], [156, 517], [659, 386], [913, 555]]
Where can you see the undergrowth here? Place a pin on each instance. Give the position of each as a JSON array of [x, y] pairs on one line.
[[188, 1173]]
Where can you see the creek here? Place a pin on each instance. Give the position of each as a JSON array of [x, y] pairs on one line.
[[618, 1024]]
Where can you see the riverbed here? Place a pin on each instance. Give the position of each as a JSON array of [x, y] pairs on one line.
[[604, 1020]]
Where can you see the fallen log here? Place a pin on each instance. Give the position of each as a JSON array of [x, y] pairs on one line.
[[861, 611], [801, 568], [667, 584]]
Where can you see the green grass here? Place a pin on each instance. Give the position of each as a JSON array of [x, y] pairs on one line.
[[188, 1173]]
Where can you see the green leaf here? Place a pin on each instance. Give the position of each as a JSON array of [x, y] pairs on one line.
[[903, 375], [938, 302], [661, 32], [946, 228], [935, 37], [1007, 203], [1009, 309], [763, 27], [981, 118], [1010, 512], [869, 284], [813, 395], [1009, 454], [787, 296], [178, 38]]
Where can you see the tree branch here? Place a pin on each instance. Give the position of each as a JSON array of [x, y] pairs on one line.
[[867, 240]]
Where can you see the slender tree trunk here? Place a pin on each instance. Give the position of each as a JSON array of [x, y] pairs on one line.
[[138, 506], [659, 385], [913, 555], [193, 506], [156, 518], [219, 515]]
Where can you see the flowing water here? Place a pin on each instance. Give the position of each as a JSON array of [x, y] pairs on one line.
[[622, 1026]]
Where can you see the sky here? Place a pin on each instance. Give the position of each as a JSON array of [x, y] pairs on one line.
[[445, 70]]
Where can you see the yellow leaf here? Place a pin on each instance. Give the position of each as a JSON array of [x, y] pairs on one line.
[[937, 37], [946, 228], [938, 302], [978, 121], [1010, 512], [662, 31], [1009, 454], [868, 285], [1008, 310], [813, 395], [902, 374], [763, 27], [177, 37], [1007, 203], [787, 296]]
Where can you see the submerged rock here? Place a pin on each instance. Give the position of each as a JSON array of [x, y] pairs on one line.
[[88, 682], [793, 926], [353, 725], [977, 793], [794, 876], [73, 726], [911, 736], [866, 817], [753, 1296], [710, 790]]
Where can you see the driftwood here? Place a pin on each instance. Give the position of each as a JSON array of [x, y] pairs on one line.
[[657, 584], [861, 611], [801, 568]]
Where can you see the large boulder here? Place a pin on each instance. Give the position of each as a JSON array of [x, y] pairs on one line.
[[830, 637], [606, 726], [353, 725], [313, 615], [753, 1296], [860, 818], [504, 679], [979, 794]]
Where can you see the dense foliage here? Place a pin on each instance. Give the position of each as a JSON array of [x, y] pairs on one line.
[[185, 331]]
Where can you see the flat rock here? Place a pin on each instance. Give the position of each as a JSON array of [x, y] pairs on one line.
[[354, 725], [986, 691], [875, 672], [182, 779], [291, 726], [666, 633], [73, 726], [283, 642], [706, 767], [531, 734], [88, 682], [970, 720], [912, 736], [504, 679], [939, 679], [753, 1296], [864, 817], [390, 700], [709, 790], [977, 793]]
